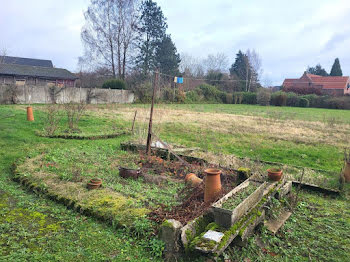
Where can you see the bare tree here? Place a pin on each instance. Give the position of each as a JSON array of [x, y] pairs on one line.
[[191, 66], [74, 112], [254, 68], [109, 32], [216, 63], [53, 118]]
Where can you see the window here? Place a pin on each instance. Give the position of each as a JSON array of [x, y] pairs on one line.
[[20, 82]]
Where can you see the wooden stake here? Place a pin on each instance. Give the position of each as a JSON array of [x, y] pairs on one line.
[[298, 191], [133, 122], [171, 151], [149, 136]]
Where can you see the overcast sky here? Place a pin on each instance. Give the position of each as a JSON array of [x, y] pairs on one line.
[[288, 35]]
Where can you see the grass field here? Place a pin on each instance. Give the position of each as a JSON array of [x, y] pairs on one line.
[[311, 138]]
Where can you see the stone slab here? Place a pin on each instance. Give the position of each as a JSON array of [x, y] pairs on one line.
[[285, 189], [275, 224], [213, 235]]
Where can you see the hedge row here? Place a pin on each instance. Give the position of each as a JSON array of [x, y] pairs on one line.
[[210, 94]]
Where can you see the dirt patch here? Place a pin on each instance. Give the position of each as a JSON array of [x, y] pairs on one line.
[[192, 204]]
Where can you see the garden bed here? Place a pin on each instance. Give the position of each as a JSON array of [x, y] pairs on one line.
[[240, 222], [159, 193]]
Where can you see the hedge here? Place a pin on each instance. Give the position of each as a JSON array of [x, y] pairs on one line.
[[114, 84]]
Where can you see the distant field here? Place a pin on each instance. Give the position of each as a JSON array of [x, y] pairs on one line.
[[294, 113], [306, 137]]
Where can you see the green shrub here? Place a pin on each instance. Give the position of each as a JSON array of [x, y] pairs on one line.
[[279, 99], [192, 96], [143, 92], [263, 96], [341, 102], [168, 95], [292, 99], [210, 93], [314, 100], [180, 96], [114, 84], [229, 98], [238, 97], [249, 98], [303, 102], [222, 97]]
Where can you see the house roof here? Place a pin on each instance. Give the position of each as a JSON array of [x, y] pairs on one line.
[[331, 82], [26, 61], [326, 82], [36, 71]]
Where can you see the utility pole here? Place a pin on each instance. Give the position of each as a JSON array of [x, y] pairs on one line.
[[149, 136]]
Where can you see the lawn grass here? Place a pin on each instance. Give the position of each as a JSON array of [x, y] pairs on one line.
[[55, 233], [59, 234]]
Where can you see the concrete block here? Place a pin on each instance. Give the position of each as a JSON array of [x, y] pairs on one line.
[[285, 189], [227, 218], [170, 233]]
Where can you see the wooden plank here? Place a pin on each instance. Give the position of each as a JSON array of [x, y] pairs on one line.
[[317, 188], [275, 224]]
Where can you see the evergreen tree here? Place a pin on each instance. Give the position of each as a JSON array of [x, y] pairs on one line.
[[240, 66], [242, 70], [167, 59], [151, 29], [317, 70], [336, 69]]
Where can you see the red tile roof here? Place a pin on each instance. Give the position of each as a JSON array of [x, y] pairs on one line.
[[331, 82], [326, 82]]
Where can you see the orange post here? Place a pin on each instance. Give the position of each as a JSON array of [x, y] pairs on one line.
[[30, 116], [347, 172], [212, 184]]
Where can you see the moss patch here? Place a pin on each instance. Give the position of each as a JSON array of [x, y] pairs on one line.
[[33, 225], [102, 203]]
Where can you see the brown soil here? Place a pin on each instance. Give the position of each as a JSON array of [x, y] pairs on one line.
[[193, 198]]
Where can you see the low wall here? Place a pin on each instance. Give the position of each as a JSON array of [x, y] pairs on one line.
[[10, 94]]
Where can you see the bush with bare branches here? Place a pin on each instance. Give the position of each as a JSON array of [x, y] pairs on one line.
[[74, 113], [53, 119]]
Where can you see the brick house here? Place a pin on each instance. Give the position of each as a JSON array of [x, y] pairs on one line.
[[29, 71], [327, 85]]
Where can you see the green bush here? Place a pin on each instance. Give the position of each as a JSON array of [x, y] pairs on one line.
[[341, 102], [263, 96], [114, 84], [303, 102], [229, 98], [249, 98], [211, 93], [143, 92], [314, 100], [279, 99], [180, 96], [238, 98], [168, 95], [192, 96], [292, 99], [222, 98]]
